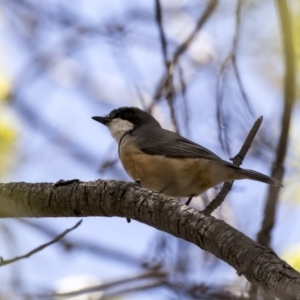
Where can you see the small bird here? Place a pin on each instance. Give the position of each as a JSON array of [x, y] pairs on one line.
[[164, 161]]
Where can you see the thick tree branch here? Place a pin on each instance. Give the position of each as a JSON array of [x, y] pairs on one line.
[[257, 263]]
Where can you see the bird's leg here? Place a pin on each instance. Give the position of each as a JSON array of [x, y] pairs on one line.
[[189, 200]]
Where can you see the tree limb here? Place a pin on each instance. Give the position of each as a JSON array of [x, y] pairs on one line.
[[264, 235], [259, 264]]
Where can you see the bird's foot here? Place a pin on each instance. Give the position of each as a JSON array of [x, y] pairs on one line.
[[138, 182], [62, 182]]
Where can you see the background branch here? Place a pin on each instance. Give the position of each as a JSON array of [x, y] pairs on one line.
[[85, 245], [4, 262], [264, 234], [237, 160]]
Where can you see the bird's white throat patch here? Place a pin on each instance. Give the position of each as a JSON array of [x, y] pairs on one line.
[[118, 127]]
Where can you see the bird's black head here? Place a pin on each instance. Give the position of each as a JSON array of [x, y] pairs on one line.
[[133, 115], [126, 119]]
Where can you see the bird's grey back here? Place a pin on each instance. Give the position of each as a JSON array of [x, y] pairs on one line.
[[159, 141]]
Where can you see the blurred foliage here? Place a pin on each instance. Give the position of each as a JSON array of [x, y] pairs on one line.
[[5, 87], [292, 257], [271, 53], [291, 191], [7, 130]]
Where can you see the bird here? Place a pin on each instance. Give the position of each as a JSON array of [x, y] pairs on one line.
[[164, 161]]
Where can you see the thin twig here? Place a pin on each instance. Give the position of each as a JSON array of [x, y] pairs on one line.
[[85, 245], [237, 160], [169, 86], [158, 15], [221, 120], [170, 96], [212, 4], [183, 89], [165, 85], [40, 248], [263, 236], [231, 59], [234, 52], [141, 287], [101, 287], [141, 97]]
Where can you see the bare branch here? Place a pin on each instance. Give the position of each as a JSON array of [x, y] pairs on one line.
[[85, 245], [237, 160], [169, 87], [231, 59], [158, 14], [154, 274], [212, 4], [234, 54], [145, 286], [4, 262]]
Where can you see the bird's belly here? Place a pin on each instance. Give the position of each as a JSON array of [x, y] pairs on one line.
[[172, 176]]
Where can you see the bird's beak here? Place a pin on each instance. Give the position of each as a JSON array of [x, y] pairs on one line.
[[103, 120]]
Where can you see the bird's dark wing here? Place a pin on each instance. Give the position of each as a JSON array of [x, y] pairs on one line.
[[170, 144]]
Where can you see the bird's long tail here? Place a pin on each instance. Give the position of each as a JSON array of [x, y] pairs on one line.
[[253, 175]]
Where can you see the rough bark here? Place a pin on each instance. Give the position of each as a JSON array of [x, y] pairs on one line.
[[259, 264]]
